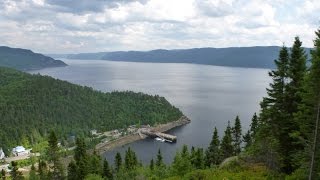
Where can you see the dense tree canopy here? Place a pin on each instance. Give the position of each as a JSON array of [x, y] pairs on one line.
[[31, 105], [287, 137], [307, 116]]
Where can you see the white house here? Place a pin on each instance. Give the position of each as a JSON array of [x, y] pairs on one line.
[[2, 155], [19, 151], [94, 132]]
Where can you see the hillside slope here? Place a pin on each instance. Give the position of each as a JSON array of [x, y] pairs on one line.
[[31, 105], [255, 57], [250, 57], [23, 59]]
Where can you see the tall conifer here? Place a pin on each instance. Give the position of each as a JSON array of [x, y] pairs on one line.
[[237, 135], [308, 117], [213, 153], [54, 157], [107, 173], [227, 148], [159, 160], [118, 162]]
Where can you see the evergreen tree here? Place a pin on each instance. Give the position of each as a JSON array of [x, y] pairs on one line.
[[81, 158], [213, 153], [43, 171], [181, 163], [15, 174], [237, 134], [308, 115], [130, 160], [247, 139], [276, 102], [288, 142], [80, 151], [72, 171], [151, 166], [193, 156], [83, 170], [3, 174], [33, 173], [297, 70], [95, 166], [159, 161], [276, 114], [227, 149], [254, 125], [185, 152], [198, 163], [160, 169], [107, 173], [54, 157], [118, 162]]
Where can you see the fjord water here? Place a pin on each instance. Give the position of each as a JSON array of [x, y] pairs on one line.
[[209, 95]]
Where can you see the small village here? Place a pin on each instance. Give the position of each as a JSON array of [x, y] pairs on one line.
[[18, 153], [21, 153], [124, 136], [117, 133]]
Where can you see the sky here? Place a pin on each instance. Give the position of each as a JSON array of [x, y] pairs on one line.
[[75, 26]]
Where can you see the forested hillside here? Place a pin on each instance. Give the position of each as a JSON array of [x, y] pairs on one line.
[[23, 59], [252, 57], [31, 105]]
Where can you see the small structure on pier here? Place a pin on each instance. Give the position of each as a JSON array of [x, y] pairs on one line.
[[155, 134]]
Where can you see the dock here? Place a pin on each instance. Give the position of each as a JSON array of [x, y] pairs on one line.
[[154, 134], [142, 133]]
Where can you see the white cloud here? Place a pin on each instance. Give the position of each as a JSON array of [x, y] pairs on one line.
[[61, 27], [215, 8]]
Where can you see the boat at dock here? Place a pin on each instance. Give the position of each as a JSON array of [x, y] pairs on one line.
[[160, 139]]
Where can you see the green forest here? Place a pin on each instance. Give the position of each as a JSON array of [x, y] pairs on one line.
[[32, 105], [281, 143], [24, 59]]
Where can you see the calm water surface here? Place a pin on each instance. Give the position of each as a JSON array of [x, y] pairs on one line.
[[209, 95]]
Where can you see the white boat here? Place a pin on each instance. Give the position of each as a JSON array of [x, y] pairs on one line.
[[160, 139]]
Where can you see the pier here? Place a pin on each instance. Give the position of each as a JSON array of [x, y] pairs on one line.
[[154, 134], [142, 133]]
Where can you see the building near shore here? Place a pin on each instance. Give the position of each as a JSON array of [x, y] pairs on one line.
[[20, 151], [132, 129], [94, 132], [2, 155]]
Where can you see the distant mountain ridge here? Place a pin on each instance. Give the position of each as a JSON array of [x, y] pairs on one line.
[[249, 57], [24, 59]]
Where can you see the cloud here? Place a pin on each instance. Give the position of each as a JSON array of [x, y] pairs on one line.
[[216, 8], [85, 6], [310, 12], [68, 26]]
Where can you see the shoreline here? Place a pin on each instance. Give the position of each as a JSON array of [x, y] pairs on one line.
[[101, 148]]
